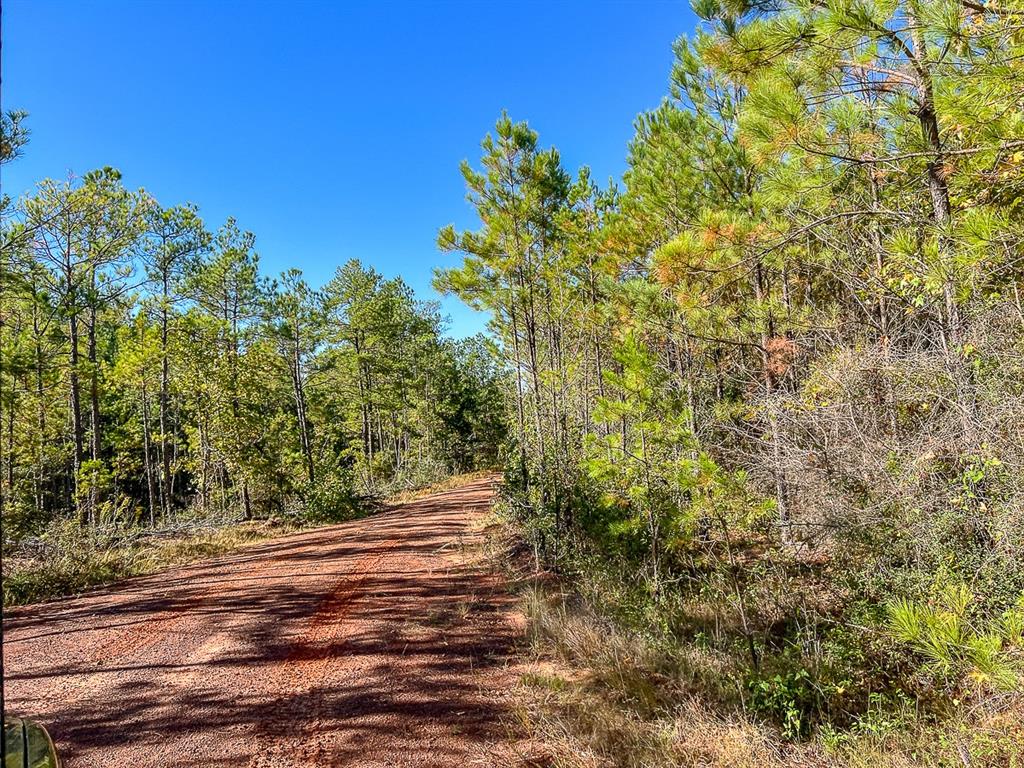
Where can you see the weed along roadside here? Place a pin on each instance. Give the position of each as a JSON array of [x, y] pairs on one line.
[[605, 684]]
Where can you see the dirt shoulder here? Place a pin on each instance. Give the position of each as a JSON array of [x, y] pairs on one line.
[[380, 642]]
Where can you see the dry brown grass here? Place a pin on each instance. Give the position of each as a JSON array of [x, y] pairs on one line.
[[212, 542], [982, 737], [601, 696], [76, 561]]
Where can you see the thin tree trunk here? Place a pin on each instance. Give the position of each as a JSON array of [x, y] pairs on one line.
[[77, 428], [938, 189], [520, 407], [95, 443], [779, 478], [165, 378], [204, 450], [40, 446], [10, 438], [151, 490], [305, 427]]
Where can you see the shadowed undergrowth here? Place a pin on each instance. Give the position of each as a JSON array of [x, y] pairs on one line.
[[609, 692]]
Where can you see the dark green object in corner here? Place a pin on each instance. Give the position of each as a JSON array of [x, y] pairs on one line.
[[27, 745]]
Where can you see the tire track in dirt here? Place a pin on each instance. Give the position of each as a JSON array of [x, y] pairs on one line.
[[154, 629], [280, 738]]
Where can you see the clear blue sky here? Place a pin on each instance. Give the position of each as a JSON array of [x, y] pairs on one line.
[[331, 130]]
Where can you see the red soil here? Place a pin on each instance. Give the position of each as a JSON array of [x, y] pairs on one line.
[[377, 642]]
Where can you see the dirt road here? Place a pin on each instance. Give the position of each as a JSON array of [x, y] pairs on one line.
[[370, 643]]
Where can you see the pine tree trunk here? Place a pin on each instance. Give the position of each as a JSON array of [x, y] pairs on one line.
[[77, 427], [520, 407], [246, 503], [150, 486], [761, 294], [305, 427], [938, 189], [11, 460], [95, 442], [165, 378], [40, 446]]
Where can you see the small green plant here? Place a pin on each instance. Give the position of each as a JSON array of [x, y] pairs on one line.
[[986, 651], [887, 714], [784, 697], [332, 499]]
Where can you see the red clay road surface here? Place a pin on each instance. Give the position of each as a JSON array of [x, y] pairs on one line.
[[372, 643]]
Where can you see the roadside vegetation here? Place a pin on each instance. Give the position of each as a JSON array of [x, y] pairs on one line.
[[65, 561], [158, 393], [766, 398], [603, 689], [447, 484]]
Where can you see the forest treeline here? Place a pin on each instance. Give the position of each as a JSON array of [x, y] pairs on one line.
[[767, 393], [152, 372]]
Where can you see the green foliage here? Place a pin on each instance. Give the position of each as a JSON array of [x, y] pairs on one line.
[[956, 643], [72, 562], [786, 697], [332, 499], [65, 560], [152, 373], [772, 383]]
